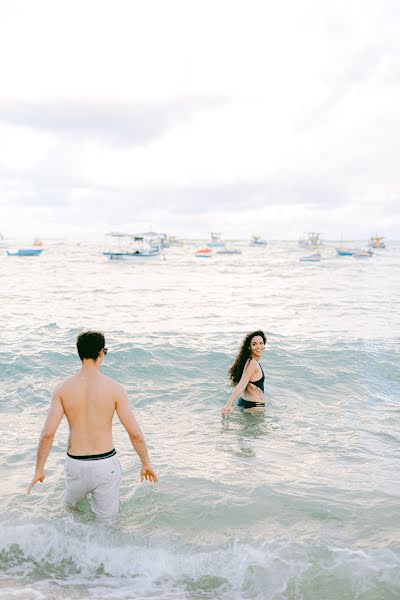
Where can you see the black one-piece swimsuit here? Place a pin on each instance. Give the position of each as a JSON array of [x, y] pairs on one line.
[[260, 384]]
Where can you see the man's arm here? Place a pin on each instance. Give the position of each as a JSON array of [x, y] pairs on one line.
[[128, 420], [53, 420]]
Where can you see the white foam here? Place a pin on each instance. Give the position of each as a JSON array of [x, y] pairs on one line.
[[100, 559]]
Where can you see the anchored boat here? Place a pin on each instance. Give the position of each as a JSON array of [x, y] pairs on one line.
[[25, 252], [345, 251], [257, 240], [362, 254], [216, 241], [377, 242], [229, 251], [136, 247], [316, 257], [311, 240], [203, 253]]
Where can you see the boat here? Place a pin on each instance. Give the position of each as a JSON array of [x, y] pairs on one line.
[[257, 240], [216, 241], [132, 246], [362, 254], [376, 242], [229, 251], [167, 241], [172, 240], [311, 240], [25, 252], [345, 251], [3, 242], [164, 240], [316, 257], [203, 253]]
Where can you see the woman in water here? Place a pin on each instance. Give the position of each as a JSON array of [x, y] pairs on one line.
[[247, 376]]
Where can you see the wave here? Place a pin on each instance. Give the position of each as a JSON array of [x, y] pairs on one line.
[[98, 557], [300, 368]]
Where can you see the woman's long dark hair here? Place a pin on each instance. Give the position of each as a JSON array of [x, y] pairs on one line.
[[236, 370]]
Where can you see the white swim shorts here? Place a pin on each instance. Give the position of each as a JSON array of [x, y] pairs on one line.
[[98, 475]]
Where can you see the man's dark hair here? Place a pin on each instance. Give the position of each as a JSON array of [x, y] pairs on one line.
[[89, 344]]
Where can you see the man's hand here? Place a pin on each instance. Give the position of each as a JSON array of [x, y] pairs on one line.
[[148, 474], [38, 477], [225, 411]]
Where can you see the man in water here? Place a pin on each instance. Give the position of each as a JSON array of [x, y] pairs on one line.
[[89, 400]]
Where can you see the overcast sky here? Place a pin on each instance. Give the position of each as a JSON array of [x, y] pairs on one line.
[[236, 116]]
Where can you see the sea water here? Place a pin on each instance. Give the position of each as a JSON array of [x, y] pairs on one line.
[[301, 503]]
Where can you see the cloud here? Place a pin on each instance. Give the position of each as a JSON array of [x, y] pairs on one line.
[[285, 114], [118, 121]]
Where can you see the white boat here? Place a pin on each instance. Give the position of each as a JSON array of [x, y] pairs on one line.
[[216, 241], [316, 257], [311, 240], [257, 240], [134, 247], [172, 240], [3, 242], [164, 240], [362, 254]]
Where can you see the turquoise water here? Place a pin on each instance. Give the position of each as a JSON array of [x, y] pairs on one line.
[[299, 504]]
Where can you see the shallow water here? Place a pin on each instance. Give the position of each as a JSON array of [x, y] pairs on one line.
[[301, 503]]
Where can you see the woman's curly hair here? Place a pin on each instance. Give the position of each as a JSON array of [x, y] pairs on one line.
[[236, 370]]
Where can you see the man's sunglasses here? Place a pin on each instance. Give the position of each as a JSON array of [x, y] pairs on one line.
[[105, 350]]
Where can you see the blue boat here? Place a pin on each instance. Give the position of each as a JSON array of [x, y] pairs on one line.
[[26, 252], [345, 251]]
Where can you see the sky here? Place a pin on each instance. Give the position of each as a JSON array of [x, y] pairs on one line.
[[243, 117]]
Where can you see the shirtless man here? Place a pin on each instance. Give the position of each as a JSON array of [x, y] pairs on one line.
[[89, 400]]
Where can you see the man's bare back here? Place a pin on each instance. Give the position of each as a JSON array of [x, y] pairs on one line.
[[89, 400]]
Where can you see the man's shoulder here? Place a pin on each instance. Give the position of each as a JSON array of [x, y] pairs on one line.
[[62, 387], [65, 383], [112, 384]]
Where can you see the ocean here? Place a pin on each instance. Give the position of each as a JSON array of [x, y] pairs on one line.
[[299, 503]]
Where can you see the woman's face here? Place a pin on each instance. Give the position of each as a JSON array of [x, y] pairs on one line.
[[257, 346]]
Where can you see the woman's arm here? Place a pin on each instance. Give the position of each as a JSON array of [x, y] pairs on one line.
[[248, 371]]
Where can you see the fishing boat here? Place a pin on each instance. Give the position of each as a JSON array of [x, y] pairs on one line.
[[345, 251], [3, 242], [376, 242], [25, 252], [316, 257], [229, 251], [203, 253], [257, 240], [135, 247], [164, 240], [216, 241], [362, 254], [172, 240], [311, 240]]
